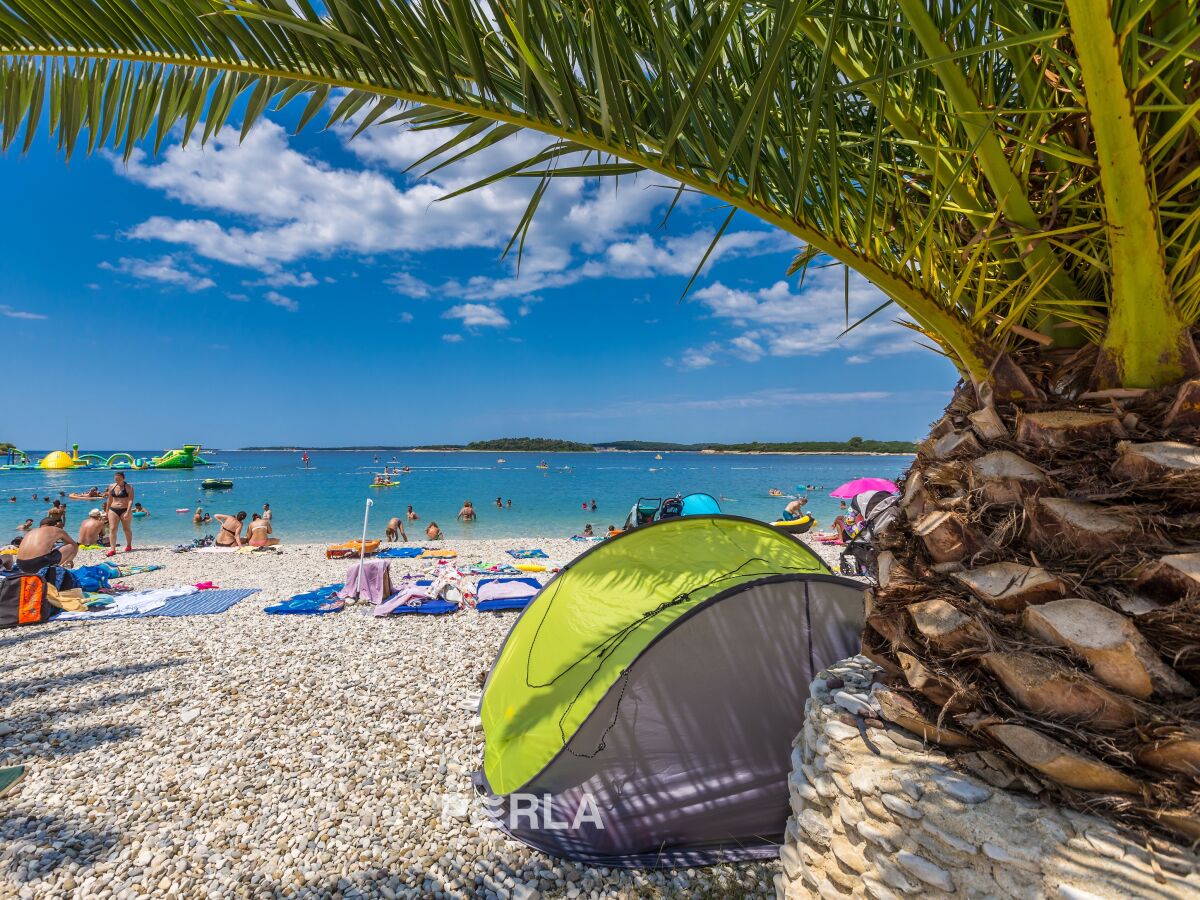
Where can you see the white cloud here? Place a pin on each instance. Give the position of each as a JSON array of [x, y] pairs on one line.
[[169, 270], [477, 315], [277, 299], [406, 317], [284, 279], [452, 338], [409, 285], [778, 321], [583, 229], [9, 312]]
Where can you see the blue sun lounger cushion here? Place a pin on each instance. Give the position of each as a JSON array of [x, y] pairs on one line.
[[313, 603], [400, 553], [502, 603]]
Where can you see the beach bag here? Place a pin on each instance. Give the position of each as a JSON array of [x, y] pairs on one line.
[[93, 578], [23, 601]]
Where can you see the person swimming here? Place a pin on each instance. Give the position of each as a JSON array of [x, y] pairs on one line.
[[467, 513], [138, 508], [410, 515]]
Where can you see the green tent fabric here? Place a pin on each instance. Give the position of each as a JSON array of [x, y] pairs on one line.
[[577, 638]]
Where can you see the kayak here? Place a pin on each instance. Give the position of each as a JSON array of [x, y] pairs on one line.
[[216, 484]]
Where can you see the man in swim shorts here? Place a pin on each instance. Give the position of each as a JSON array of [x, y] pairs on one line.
[[395, 530], [47, 545], [795, 510], [91, 530]]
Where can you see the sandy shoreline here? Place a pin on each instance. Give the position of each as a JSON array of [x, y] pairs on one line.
[[254, 755]]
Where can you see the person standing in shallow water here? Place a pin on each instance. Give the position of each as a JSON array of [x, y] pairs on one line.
[[118, 501]]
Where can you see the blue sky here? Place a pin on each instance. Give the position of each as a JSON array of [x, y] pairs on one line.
[[304, 290]]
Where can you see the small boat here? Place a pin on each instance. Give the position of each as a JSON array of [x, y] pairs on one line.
[[501, 462], [86, 496], [543, 465], [383, 484], [216, 484], [658, 456]]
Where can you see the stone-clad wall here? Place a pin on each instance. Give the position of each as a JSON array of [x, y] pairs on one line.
[[902, 822]]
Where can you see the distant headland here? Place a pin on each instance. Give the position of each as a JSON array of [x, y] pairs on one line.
[[550, 445]]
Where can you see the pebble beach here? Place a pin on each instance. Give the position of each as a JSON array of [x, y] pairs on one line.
[[248, 755]]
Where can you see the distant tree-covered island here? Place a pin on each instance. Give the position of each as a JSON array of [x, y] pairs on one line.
[[855, 444], [537, 445]]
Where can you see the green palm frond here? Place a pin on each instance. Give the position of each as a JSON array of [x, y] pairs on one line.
[[966, 158]]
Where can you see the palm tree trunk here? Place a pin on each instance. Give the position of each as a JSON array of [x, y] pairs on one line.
[[1039, 599]]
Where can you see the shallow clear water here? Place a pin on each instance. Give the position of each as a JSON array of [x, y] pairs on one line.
[[326, 502]]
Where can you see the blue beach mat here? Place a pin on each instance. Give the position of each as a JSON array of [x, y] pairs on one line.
[[506, 603], [428, 608], [313, 603], [400, 553], [528, 554], [204, 603]]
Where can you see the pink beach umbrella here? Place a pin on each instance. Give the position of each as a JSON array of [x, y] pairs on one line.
[[860, 485]]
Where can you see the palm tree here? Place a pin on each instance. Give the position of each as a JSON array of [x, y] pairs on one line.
[[1019, 177]]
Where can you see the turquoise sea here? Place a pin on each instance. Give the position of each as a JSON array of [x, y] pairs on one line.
[[327, 501]]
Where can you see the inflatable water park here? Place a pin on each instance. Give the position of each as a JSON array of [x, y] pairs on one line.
[[185, 457]]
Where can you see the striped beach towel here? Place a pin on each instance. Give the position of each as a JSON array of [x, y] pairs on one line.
[[204, 603]]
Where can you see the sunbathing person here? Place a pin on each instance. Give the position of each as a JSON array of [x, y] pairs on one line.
[[231, 529], [395, 530], [433, 532], [91, 530], [47, 545], [260, 533]]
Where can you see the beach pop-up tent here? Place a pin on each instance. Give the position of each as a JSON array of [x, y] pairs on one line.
[[642, 709]]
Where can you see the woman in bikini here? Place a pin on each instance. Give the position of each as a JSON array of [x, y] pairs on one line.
[[230, 534], [118, 500], [260, 532]]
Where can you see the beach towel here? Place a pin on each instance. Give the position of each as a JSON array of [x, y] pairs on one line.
[[215, 549], [409, 595], [204, 603], [400, 553], [584, 537], [528, 554], [499, 569], [126, 571], [439, 554], [370, 580], [496, 594], [313, 603], [131, 605]]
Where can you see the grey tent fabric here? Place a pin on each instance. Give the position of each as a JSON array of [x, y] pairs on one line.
[[686, 759]]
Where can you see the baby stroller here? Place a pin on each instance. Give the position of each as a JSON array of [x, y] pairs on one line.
[[875, 510]]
